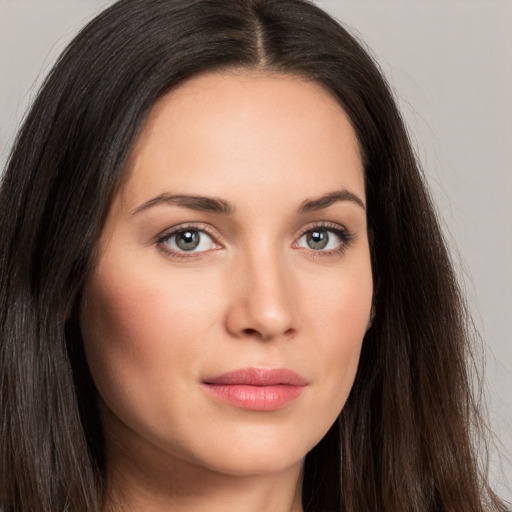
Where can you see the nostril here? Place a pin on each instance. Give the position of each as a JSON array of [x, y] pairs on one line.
[[252, 333], [255, 333]]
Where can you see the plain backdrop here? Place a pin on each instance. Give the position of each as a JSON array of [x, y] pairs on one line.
[[450, 64]]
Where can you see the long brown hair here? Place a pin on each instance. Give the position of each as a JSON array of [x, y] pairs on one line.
[[405, 439]]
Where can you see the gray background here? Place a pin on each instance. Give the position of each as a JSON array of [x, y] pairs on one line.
[[450, 64]]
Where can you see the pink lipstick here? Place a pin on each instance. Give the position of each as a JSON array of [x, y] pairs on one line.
[[257, 389]]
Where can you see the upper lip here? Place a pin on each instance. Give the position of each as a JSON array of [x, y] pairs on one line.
[[259, 377]]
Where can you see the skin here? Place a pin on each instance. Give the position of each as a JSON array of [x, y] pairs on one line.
[[157, 321]]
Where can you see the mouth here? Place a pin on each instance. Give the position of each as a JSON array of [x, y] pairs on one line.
[[257, 389]]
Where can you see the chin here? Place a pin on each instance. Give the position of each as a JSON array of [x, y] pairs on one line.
[[262, 451], [255, 462]]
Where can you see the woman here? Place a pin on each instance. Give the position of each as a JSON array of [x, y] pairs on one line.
[[223, 283]]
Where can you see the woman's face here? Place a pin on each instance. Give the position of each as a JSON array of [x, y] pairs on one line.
[[223, 321]]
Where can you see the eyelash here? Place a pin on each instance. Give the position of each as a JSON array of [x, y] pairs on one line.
[[346, 239]]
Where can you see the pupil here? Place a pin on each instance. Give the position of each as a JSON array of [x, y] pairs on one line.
[[318, 239], [187, 240]]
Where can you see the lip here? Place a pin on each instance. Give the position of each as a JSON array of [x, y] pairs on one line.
[[257, 389]]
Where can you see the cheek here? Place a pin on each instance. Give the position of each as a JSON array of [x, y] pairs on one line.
[[136, 330], [338, 315], [118, 318], [139, 312]]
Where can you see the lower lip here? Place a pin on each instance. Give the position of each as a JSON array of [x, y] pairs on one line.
[[256, 398]]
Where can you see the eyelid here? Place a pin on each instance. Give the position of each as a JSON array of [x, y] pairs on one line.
[[198, 226], [323, 224]]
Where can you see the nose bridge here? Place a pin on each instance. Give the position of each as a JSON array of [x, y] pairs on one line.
[[263, 302]]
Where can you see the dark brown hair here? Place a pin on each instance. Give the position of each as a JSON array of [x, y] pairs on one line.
[[405, 439]]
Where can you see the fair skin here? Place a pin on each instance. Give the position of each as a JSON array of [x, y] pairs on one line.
[[256, 274]]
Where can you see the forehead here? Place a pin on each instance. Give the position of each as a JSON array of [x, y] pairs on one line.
[[223, 130]]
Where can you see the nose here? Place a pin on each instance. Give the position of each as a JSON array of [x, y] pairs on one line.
[[262, 305]]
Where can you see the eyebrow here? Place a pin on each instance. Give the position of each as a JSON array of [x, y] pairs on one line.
[[201, 203], [327, 200], [217, 205]]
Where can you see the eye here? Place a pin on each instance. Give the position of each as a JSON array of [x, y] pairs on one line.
[[319, 240], [189, 239], [325, 239]]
